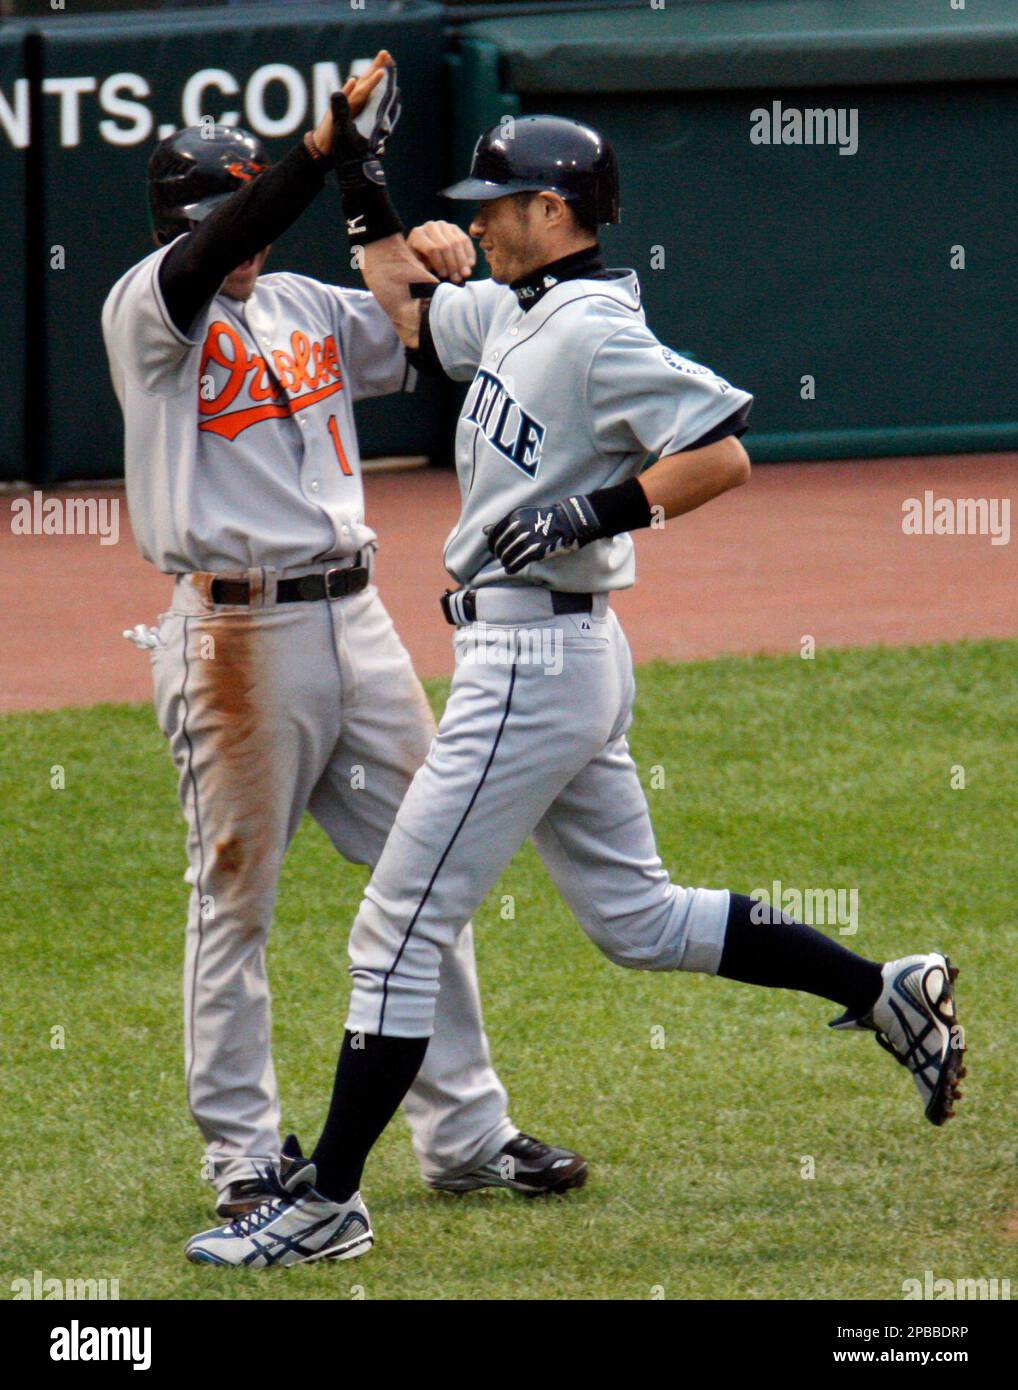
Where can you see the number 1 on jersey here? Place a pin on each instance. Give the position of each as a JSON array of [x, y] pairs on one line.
[[343, 461]]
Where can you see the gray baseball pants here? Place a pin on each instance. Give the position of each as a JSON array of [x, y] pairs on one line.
[[532, 743]]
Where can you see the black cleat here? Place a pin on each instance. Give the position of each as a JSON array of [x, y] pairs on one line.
[[523, 1165], [239, 1198]]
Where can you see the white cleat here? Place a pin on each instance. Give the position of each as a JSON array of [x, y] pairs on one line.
[[295, 1225], [915, 1020]]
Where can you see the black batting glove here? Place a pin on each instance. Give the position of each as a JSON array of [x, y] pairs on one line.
[[350, 150], [358, 142], [539, 533]]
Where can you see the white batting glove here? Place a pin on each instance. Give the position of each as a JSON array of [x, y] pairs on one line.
[[145, 638]]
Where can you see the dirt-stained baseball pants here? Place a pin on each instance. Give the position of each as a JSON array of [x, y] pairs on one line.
[[272, 710]]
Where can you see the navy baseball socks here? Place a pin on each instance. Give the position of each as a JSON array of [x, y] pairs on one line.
[[764, 947], [909, 1004], [372, 1077]]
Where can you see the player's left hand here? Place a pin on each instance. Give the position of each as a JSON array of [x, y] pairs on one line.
[[358, 93], [540, 533], [445, 250]]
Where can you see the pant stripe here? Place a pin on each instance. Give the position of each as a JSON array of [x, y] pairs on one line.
[[201, 860], [452, 841]]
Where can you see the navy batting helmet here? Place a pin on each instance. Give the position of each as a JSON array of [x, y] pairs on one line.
[[533, 154], [191, 172]]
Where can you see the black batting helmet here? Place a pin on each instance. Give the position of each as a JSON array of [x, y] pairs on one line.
[[193, 170], [531, 154]]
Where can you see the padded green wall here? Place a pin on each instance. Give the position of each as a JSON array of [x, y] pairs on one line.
[[786, 261]]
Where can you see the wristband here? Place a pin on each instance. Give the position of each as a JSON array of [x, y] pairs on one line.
[[622, 508], [313, 150], [424, 357], [370, 215]]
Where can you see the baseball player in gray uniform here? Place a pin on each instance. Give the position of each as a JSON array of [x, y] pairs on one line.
[[279, 679], [570, 393]]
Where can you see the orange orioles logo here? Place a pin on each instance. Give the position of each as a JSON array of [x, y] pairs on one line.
[[245, 169], [308, 373]]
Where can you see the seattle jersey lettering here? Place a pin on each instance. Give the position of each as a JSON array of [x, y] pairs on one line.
[[504, 423], [293, 380]]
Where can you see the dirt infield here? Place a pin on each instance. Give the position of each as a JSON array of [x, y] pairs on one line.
[[804, 550]]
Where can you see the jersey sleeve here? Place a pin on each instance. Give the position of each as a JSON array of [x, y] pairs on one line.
[[459, 319], [644, 397], [141, 338], [374, 362]]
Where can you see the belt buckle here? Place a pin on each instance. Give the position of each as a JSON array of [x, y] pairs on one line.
[[336, 585]]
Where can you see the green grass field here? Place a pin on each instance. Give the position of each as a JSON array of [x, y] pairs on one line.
[[834, 772]]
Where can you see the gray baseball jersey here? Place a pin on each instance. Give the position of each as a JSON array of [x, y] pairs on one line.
[[240, 444], [571, 396]]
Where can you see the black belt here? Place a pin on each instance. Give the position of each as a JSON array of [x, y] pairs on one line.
[[466, 602], [335, 583]]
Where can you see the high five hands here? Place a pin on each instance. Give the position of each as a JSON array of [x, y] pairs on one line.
[[358, 91], [440, 246]]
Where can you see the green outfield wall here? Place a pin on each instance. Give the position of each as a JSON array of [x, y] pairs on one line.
[[818, 195], [862, 295]]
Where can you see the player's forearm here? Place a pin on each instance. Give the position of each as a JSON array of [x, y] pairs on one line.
[[386, 261], [676, 484], [679, 483], [389, 268]]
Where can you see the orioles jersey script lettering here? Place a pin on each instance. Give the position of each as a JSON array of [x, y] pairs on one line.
[[240, 444], [307, 374], [504, 423]]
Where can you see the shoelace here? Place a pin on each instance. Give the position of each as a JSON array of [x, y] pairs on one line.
[[253, 1221], [531, 1147]]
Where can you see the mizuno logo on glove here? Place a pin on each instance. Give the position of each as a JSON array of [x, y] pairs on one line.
[[537, 533]]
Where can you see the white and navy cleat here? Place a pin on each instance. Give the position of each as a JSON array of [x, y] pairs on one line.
[[294, 1225], [915, 1019]]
